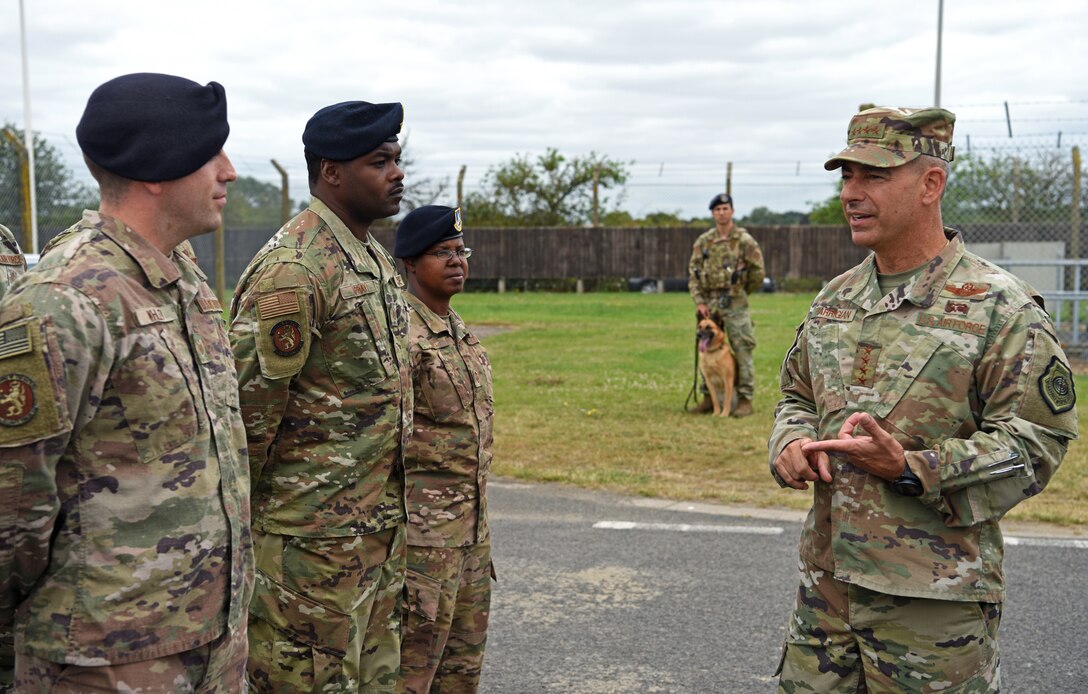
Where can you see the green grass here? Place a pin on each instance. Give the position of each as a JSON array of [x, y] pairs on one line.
[[589, 391]]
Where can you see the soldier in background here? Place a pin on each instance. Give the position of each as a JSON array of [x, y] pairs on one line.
[[447, 465], [726, 266], [926, 394], [319, 328], [125, 555], [12, 262]]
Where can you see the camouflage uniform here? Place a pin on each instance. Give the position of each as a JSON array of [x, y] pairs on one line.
[[962, 365], [12, 262], [319, 329], [449, 543], [124, 522], [722, 273]]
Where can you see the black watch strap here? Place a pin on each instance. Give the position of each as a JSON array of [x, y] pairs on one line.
[[908, 484]]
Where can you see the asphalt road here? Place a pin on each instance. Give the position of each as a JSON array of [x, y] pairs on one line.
[[598, 594]]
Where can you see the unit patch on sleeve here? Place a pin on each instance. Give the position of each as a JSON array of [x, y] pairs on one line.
[[18, 403], [1056, 387], [286, 338]]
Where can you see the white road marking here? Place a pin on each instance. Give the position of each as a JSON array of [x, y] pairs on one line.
[[1045, 542], [689, 528]]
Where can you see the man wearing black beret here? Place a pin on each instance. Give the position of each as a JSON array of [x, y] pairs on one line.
[[726, 266], [125, 551], [319, 328]]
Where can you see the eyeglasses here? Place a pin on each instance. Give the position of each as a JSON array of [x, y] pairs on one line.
[[446, 255]]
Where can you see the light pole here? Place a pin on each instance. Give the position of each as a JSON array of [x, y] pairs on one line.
[[28, 135], [940, 27]]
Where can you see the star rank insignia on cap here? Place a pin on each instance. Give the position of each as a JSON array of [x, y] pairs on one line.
[[286, 338], [18, 402]]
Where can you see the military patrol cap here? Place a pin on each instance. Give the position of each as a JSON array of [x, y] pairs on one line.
[[721, 199], [885, 137], [152, 127], [425, 226], [350, 129]]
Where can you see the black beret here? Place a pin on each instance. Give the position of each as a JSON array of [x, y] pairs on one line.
[[152, 127], [425, 226], [350, 129], [721, 199]]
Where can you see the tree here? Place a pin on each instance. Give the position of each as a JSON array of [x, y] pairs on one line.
[[419, 192], [551, 190], [253, 204], [763, 216], [60, 198], [1032, 187], [828, 211], [660, 219]]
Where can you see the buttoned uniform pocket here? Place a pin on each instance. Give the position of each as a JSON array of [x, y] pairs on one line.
[[825, 366], [444, 389], [159, 391], [355, 341]]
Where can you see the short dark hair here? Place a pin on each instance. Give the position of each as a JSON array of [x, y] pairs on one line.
[[111, 187]]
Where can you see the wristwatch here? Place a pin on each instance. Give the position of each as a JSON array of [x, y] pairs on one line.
[[907, 484]]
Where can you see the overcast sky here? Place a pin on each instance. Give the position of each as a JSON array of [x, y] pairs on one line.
[[675, 88]]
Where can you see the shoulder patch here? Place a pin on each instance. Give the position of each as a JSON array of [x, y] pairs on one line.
[[1057, 387], [14, 341], [286, 338], [32, 396], [278, 304]]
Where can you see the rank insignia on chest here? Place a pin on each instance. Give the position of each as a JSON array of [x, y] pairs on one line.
[[1056, 387], [286, 338], [18, 403]]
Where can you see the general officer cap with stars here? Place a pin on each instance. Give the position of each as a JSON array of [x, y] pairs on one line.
[[152, 127], [350, 129], [425, 226]]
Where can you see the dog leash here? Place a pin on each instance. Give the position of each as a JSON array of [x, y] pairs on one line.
[[694, 378]]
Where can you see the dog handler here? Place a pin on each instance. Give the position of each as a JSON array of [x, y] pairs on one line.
[[726, 266], [926, 394], [448, 461]]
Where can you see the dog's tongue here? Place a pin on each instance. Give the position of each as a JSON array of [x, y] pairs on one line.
[[703, 342]]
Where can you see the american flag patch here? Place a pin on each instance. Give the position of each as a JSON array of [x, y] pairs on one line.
[[278, 304], [14, 341]]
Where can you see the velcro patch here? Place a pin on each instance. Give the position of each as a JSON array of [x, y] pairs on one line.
[[18, 399], [11, 259], [1057, 388], [957, 307], [278, 304], [967, 290], [209, 304], [33, 405], [14, 341], [928, 320], [356, 289], [286, 338], [867, 131], [837, 314], [155, 314]]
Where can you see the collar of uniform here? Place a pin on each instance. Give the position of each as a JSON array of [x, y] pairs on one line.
[[927, 286], [353, 247], [436, 323], [159, 269]]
